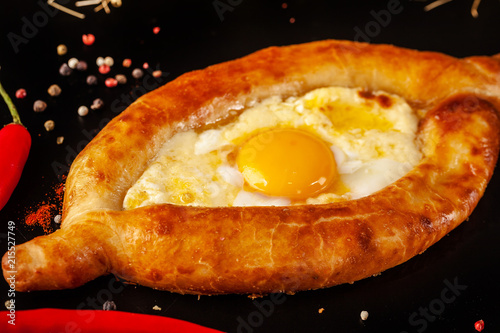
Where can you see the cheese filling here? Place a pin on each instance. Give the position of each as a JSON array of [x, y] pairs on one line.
[[329, 145]]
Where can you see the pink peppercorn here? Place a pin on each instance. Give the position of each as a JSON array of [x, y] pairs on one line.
[[104, 69], [127, 63], [145, 65], [20, 93], [479, 325], [88, 39], [156, 30], [111, 82]]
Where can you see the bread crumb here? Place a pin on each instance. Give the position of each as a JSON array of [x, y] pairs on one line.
[[364, 315], [321, 310], [157, 308]]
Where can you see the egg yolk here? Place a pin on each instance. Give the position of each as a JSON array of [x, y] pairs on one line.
[[287, 162]]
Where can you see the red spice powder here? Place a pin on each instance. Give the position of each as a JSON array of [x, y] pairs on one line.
[[45, 212], [42, 217], [59, 193]]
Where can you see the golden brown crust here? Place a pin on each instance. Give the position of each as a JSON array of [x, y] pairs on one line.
[[269, 249]]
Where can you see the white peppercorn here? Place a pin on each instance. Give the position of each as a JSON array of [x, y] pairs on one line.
[[122, 79], [39, 106], [83, 111], [61, 49], [72, 63], [109, 61], [54, 90], [49, 125], [99, 61]]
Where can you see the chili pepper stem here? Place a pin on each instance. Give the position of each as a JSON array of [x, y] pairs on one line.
[[12, 107]]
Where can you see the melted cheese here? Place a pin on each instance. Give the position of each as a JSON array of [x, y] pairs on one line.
[[372, 137]]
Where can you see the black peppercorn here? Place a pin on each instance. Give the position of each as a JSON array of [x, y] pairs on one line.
[[91, 80], [64, 70]]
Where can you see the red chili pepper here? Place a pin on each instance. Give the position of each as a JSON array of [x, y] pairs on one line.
[[15, 143], [94, 321]]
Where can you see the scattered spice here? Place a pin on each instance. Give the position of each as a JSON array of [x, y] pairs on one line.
[[21, 93], [364, 315], [54, 90], [72, 62], [145, 65], [81, 66], [58, 218], [97, 104], [156, 30], [479, 325], [64, 70], [59, 192], [49, 125], [109, 61], [62, 49], [60, 140], [111, 82], [88, 39], [321, 310], [41, 214], [137, 73], [109, 306], [39, 106], [127, 63], [42, 217], [292, 20], [83, 111], [284, 5], [157, 308], [104, 69], [121, 79], [91, 80]]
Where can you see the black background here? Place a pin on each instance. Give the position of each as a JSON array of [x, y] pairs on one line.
[[193, 36]]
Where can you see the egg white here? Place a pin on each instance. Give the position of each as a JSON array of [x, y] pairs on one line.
[[195, 169]]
